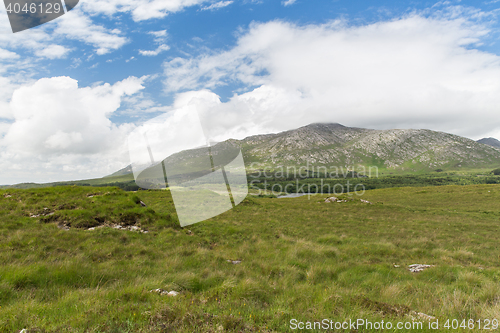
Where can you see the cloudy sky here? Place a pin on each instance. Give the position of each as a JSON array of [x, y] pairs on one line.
[[72, 90]]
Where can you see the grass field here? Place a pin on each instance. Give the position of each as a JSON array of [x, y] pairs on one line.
[[301, 259]]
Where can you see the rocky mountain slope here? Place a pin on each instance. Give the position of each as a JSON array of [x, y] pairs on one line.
[[337, 145]]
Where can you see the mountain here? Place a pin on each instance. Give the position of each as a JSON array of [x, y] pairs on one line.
[[490, 142], [335, 145], [338, 145]]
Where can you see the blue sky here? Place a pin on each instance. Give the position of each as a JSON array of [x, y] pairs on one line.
[[73, 88]]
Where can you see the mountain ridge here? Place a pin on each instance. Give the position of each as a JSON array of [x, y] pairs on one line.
[[324, 143], [333, 144]]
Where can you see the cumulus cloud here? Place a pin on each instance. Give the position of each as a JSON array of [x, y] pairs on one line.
[[8, 85], [55, 122], [63, 118], [417, 71]]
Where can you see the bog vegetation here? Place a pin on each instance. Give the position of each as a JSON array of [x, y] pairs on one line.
[[65, 267]]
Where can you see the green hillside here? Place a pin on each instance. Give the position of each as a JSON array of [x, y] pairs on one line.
[[125, 182]]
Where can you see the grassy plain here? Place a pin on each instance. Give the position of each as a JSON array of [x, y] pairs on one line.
[[301, 259]]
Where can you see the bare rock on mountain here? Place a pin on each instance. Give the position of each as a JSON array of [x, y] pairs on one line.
[[335, 145]]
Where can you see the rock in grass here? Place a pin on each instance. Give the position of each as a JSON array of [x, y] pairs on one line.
[[162, 292], [63, 226], [420, 316], [415, 268], [119, 227], [331, 199], [335, 199]]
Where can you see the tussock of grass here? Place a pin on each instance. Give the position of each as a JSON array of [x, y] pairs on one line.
[[300, 258]]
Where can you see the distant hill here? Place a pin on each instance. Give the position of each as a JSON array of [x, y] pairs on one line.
[[125, 182], [490, 142], [125, 171]]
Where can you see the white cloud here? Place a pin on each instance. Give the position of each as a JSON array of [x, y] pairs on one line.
[[38, 42], [159, 49], [140, 9], [52, 52], [288, 2], [46, 41], [56, 108], [56, 123], [417, 71], [217, 5], [6, 54], [75, 25], [8, 85], [160, 35], [160, 38]]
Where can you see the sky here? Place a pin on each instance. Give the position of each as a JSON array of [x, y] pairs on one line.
[[73, 89]]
